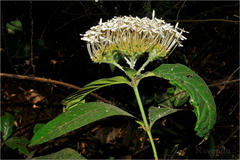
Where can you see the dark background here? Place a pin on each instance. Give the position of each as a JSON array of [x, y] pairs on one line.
[[211, 50]]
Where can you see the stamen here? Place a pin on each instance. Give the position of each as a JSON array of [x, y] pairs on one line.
[[131, 37], [153, 14]]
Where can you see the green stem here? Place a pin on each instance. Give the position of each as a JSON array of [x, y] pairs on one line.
[[143, 66], [146, 125], [120, 67]]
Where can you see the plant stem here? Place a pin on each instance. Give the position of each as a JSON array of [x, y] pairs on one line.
[[143, 66], [146, 125], [117, 65]]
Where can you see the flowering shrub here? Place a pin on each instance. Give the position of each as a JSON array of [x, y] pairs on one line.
[[129, 38]]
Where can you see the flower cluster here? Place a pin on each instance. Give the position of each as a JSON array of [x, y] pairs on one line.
[[130, 37]]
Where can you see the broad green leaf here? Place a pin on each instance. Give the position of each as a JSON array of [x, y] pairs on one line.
[[18, 143], [14, 26], [66, 153], [6, 125], [72, 104], [74, 118], [200, 95], [37, 127], [87, 89], [155, 113]]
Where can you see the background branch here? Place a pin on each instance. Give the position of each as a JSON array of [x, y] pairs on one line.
[[203, 20], [223, 83], [39, 79], [31, 39]]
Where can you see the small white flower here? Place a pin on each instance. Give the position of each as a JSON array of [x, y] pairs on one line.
[[131, 37]]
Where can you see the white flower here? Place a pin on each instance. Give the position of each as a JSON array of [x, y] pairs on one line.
[[130, 37]]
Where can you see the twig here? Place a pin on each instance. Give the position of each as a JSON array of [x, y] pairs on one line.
[[234, 108], [230, 136], [230, 77], [224, 82], [21, 130], [26, 104], [165, 99], [67, 23], [180, 9], [39, 79], [203, 20], [236, 16], [175, 6], [73, 20], [144, 148], [48, 22], [31, 39], [233, 73]]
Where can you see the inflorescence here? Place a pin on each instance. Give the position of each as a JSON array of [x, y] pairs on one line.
[[129, 37]]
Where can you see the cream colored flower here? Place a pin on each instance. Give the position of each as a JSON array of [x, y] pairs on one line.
[[129, 37]]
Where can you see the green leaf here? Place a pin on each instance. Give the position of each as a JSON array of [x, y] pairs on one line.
[[78, 96], [66, 153], [74, 118], [37, 127], [167, 98], [211, 147], [200, 95], [173, 97], [18, 143], [180, 98], [72, 104], [164, 100], [6, 125], [14, 26], [155, 113]]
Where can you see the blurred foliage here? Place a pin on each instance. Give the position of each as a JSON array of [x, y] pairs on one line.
[[6, 125], [18, 143], [14, 142], [66, 153], [14, 26]]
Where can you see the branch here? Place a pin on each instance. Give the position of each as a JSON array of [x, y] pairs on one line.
[[31, 39], [229, 78], [203, 20], [223, 83], [39, 79]]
